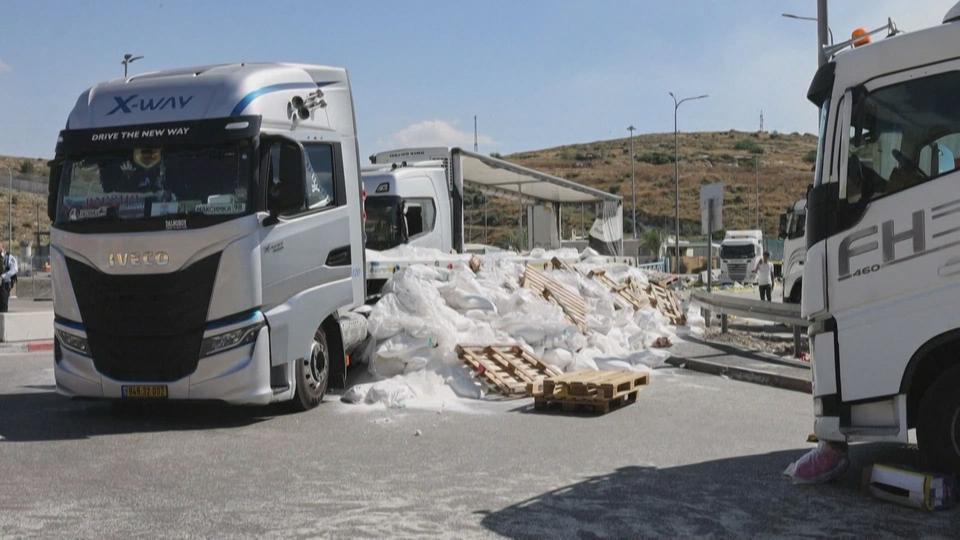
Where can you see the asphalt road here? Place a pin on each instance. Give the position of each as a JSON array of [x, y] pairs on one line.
[[697, 455]]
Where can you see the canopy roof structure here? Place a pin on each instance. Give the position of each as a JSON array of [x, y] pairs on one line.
[[509, 179]]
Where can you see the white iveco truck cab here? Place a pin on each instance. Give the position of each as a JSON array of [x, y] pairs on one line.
[[207, 235], [739, 253], [792, 227], [410, 200], [881, 283]]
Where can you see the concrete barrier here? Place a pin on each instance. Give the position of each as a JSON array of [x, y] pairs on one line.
[[26, 326]]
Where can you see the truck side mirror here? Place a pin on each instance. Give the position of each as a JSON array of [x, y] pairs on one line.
[[286, 181], [783, 226], [53, 188]]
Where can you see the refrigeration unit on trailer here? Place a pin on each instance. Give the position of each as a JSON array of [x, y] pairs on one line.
[[739, 253], [792, 227], [207, 237], [881, 282]]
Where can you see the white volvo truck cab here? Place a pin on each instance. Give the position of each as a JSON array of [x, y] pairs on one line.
[[881, 283], [792, 231], [207, 235], [739, 253]]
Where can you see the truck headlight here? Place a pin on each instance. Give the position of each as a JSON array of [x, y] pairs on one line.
[[74, 342], [231, 339]]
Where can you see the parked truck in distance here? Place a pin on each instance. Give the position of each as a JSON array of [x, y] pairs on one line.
[[409, 200], [881, 283], [739, 253], [792, 227], [207, 237]]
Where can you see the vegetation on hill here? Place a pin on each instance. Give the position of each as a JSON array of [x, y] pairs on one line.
[[785, 170]]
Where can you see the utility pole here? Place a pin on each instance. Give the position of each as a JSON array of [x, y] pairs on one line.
[[633, 181], [476, 147], [823, 31], [676, 170], [757, 161], [10, 213]]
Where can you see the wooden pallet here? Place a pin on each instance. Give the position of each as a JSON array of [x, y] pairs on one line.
[[507, 369], [591, 391], [667, 303], [624, 292], [573, 306]]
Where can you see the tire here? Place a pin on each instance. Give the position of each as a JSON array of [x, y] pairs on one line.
[[938, 427], [312, 375]]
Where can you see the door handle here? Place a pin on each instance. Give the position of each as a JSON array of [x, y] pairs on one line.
[[339, 256]]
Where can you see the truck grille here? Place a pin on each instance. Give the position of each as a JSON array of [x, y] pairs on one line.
[[737, 271], [145, 327]]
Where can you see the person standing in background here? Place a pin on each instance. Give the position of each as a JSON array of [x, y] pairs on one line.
[[8, 278], [764, 272]]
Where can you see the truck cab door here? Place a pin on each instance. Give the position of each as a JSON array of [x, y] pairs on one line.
[[305, 245]]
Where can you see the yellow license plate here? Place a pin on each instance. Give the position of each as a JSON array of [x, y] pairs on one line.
[[144, 391]]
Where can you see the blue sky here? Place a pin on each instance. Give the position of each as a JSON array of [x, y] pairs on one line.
[[537, 73]]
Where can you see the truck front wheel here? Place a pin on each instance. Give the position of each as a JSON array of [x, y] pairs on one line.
[[938, 427], [313, 375]]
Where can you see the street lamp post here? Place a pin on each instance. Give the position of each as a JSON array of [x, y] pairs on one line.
[[823, 28], [127, 60], [676, 170], [633, 181], [10, 213]]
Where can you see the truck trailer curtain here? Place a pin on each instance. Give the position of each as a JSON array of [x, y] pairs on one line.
[[606, 234]]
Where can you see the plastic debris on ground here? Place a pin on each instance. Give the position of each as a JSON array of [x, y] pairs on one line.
[[425, 311], [823, 464]]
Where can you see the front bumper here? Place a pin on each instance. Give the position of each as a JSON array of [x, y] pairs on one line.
[[239, 376]]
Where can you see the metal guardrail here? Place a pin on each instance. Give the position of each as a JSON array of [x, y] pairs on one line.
[[658, 266], [788, 314]]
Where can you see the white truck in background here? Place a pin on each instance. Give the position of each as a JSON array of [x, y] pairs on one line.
[[881, 283], [792, 228], [739, 253], [207, 237], [410, 200]]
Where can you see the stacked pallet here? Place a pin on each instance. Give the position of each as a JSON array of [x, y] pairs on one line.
[[667, 303], [573, 306], [590, 391], [507, 369], [623, 291], [630, 293]]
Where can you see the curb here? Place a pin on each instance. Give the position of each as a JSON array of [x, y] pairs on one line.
[[755, 376], [26, 347]]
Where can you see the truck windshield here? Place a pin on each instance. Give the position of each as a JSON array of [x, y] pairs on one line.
[[383, 226], [745, 251], [903, 135], [149, 182]]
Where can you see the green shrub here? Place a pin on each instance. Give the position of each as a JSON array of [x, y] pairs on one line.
[[748, 145]]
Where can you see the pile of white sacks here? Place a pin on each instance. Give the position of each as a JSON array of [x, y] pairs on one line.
[[426, 311]]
